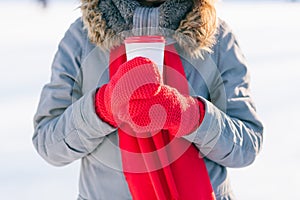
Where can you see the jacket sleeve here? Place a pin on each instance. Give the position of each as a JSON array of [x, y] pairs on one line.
[[66, 126], [231, 136]]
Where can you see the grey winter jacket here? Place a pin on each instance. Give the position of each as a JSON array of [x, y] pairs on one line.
[[67, 127]]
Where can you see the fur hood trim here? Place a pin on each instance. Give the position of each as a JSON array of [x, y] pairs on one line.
[[195, 34]]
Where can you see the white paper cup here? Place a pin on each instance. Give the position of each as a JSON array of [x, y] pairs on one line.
[[151, 47]]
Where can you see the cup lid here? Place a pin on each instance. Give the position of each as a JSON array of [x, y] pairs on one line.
[[145, 39]]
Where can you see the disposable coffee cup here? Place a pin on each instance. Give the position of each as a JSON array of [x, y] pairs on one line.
[[151, 47]]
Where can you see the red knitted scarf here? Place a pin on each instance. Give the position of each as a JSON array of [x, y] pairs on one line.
[[162, 166]]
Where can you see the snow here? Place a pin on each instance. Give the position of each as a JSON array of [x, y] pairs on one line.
[[268, 33]]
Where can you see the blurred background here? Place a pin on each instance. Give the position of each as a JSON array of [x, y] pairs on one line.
[[268, 32]]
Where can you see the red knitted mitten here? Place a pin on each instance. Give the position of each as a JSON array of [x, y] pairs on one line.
[[102, 109], [114, 96], [166, 109]]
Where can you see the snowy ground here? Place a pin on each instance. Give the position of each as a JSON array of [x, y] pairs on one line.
[[269, 36]]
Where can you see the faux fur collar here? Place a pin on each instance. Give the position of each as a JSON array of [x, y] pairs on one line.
[[190, 34]]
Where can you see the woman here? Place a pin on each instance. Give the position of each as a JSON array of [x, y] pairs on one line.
[[80, 117]]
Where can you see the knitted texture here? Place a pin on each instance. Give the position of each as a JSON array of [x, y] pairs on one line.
[[112, 99], [166, 109], [136, 96], [118, 14], [102, 111], [146, 21]]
